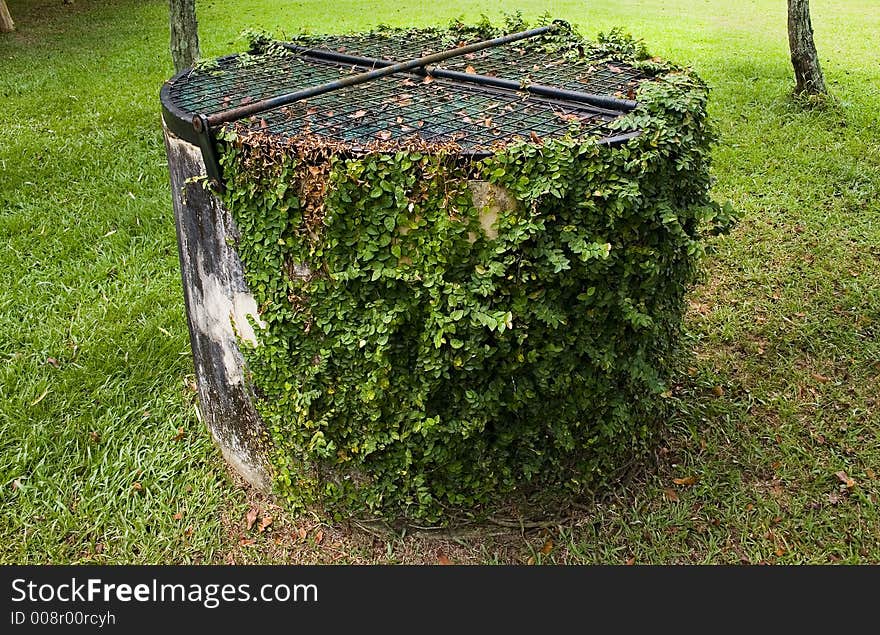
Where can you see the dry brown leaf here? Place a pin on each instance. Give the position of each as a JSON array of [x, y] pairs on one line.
[[535, 138], [251, 517], [178, 516], [718, 391], [687, 480], [846, 479], [700, 307], [548, 547], [264, 523], [384, 135], [780, 551], [428, 79], [180, 434], [246, 542], [442, 559], [670, 494], [531, 560], [749, 507], [631, 561], [319, 537], [94, 437], [302, 533], [822, 379], [470, 70], [357, 114], [136, 486], [870, 473], [487, 122], [52, 362]]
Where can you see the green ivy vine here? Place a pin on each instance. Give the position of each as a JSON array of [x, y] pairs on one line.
[[414, 365]]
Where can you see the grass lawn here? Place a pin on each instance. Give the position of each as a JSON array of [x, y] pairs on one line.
[[774, 455]]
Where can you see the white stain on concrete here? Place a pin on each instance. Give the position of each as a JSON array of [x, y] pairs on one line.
[[223, 315], [491, 200]]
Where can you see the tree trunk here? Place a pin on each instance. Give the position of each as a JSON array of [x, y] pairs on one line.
[[804, 58], [184, 34], [6, 23]]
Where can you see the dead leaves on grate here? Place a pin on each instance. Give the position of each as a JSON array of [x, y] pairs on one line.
[[568, 116]]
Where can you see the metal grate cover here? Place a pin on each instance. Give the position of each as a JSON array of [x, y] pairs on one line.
[[440, 111], [513, 61], [479, 101]]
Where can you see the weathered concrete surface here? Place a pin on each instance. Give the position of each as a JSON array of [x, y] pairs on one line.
[[492, 201], [218, 304]]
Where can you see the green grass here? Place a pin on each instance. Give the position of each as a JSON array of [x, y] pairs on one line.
[[95, 384]]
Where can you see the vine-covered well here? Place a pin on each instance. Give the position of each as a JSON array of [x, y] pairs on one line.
[[425, 350]]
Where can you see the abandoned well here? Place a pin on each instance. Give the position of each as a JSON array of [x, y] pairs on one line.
[[425, 267]]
